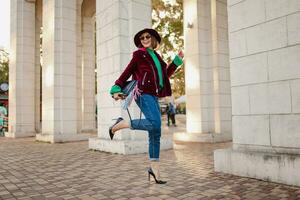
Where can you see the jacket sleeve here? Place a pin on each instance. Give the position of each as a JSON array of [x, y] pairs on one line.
[[129, 70], [115, 89], [177, 61]]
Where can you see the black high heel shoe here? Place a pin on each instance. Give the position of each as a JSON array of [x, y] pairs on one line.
[[110, 128], [150, 172]]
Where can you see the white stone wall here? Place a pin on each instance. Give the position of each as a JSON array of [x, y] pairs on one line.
[[221, 122], [79, 67], [88, 74], [22, 70], [38, 25], [193, 61], [59, 69], [207, 69], [265, 78], [112, 54], [265, 53]]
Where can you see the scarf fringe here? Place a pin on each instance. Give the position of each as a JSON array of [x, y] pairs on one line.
[[134, 94]]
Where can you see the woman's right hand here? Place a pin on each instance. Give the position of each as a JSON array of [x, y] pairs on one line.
[[118, 95]]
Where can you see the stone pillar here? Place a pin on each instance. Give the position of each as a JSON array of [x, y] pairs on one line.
[[59, 106], [88, 77], [264, 39], [207, 72], [79, 68], [117, 22], [220, 70], [22, 70], [38, 25]]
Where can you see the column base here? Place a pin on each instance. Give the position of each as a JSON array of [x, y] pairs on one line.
[[281, 168], [127, 146], [93, 131], [202, 137], [19, 134], [61, 138]]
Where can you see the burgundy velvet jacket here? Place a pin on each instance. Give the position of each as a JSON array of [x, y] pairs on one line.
[[142, 68]]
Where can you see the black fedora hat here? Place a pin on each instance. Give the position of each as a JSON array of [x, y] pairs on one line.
[[151, 31]]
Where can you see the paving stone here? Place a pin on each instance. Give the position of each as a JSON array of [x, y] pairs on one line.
[[34, 170]]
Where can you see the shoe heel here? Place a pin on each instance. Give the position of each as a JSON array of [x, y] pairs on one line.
[[111, 134], [150, 172]]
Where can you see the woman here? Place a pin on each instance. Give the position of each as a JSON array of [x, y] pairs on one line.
[[3, 114], [152, 75]]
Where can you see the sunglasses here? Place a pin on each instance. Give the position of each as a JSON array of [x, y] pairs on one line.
[[145, 37]]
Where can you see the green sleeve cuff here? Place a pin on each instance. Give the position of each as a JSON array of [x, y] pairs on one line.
[[177, 61], [115, 89]]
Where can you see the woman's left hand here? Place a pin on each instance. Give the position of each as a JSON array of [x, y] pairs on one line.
[[181, 54]]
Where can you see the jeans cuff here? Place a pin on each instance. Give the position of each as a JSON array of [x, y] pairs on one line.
[[130, 125]]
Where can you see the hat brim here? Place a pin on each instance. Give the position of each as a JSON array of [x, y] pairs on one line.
[[151, 31]]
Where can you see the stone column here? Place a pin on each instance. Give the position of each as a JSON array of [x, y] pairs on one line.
[[207, 72], [221, 90], [264, 39], [22, 70], [79, 68], [59, 109], [117, 22], [88, 77], [38, 25]]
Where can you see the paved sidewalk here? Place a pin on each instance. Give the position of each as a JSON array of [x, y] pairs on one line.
[[34, 170]]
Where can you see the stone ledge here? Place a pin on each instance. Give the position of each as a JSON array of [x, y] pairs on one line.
[[202, 137], [19, 134], [281, 168], [62, 138], [126, 146]]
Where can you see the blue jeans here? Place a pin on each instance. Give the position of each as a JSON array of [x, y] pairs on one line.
[[152, 123]]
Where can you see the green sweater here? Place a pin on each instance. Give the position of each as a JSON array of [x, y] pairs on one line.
[[158, 66]]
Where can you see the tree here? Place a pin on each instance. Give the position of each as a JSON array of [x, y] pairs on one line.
[[167, 19], [4, 62]]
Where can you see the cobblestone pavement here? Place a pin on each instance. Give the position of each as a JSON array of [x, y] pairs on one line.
[[35, 170]]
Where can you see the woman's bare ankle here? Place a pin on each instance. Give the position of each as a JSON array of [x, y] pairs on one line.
[[121, 125]]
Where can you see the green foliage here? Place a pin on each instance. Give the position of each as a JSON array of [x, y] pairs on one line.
[[167, 19], [4, 62]]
